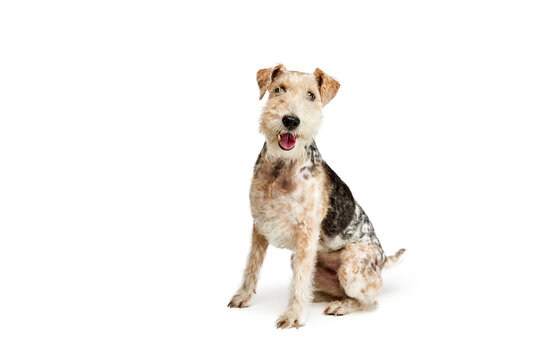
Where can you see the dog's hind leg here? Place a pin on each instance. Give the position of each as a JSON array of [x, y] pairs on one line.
[[327, 284], [320, 297], [360, 276]]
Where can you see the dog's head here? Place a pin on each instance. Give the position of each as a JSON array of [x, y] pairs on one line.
[[293, 112]]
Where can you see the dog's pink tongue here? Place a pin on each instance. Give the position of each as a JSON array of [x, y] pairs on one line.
[[287, 141]]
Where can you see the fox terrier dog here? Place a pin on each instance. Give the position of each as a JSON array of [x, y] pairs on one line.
[[299, 203]]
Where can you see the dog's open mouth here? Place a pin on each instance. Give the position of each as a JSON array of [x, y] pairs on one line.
[[286, 141]]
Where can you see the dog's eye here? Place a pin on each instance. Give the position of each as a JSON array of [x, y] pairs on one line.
[[311, 96], [279, 89]]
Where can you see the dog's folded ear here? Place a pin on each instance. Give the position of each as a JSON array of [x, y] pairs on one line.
[[265, 77], [328, 86]]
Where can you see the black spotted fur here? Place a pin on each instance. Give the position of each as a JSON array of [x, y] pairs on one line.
[[341, 205]]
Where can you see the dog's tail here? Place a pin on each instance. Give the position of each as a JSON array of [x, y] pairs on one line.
[[393, 260]]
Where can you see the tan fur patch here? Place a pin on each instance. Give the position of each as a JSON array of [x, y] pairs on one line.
[[266, 76], [328, 86]]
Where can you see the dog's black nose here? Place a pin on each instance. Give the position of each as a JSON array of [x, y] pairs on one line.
[[291, 122]]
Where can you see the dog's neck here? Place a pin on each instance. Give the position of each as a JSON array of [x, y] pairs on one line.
[[287, 171]]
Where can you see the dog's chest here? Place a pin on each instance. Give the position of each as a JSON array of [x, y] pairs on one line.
[[285, 198]]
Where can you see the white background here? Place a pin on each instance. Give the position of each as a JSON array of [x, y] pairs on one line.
[[128, 133]]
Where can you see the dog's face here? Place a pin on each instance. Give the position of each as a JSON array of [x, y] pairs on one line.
[[293, 113]]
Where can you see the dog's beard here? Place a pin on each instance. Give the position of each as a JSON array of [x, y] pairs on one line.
[[286, 143]]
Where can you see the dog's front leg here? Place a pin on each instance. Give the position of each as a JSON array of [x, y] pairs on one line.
[[259, 244], [303, 263]]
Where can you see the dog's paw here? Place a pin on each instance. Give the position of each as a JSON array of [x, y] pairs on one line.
[[343, 307], [240, 300], [336, 308], [289, 320]]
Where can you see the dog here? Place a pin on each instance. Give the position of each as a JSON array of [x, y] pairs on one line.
[[299, 203]]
